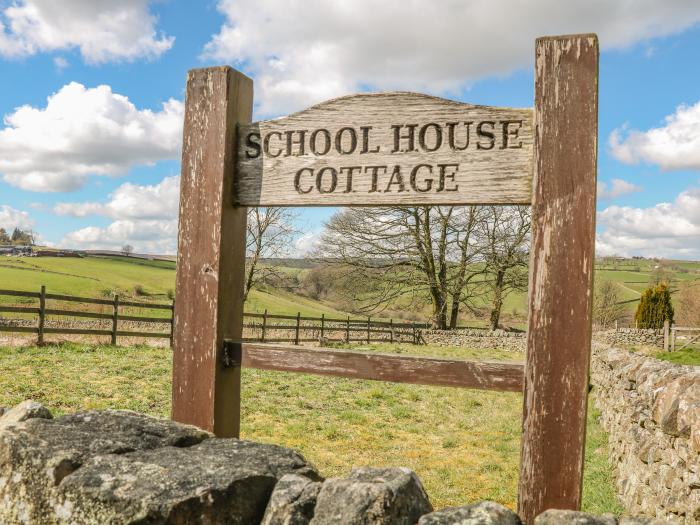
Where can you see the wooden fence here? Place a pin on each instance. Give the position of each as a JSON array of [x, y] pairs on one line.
[[41, 310], [264, 328]]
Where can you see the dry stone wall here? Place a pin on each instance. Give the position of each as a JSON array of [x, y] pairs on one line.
[[651, 410], [120, 467]]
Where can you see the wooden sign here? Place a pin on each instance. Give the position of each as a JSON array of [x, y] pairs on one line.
[[399, 149], [386, 148]]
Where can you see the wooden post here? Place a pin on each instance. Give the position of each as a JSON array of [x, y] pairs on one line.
[[172, 323], [115, 318], [391, 330], [369, 338], [42, 315], [561, 274], [347, 331], [323, 322], [264, 327], [211, 253], [673, 339], [296, 334], [415, 337]]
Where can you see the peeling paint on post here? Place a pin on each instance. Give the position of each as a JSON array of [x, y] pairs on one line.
[[211, 252], [561, 274]]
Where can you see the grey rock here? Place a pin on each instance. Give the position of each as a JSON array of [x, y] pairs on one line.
[[114, 466], [215, 481], [25, 410], [629, 520], [292, 502], [372, 496], [482, 513], [573, 517]]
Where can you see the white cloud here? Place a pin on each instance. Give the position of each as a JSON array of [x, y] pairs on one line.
[[131, 201], [306, 244], [304, 52], [675, 146], [616, 188], [81, 132], [10, 218], [145, 216], [669, 230], [146, 236], [103, 30]]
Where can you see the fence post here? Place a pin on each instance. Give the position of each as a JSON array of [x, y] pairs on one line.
[[673, 339], [391, 330], [368, 329], [264, 327], [666, 341], [323, 323], [42, 315], [560, 307], [415, 338], [296, 336], [347, 331], [172, 323], [115, 318]]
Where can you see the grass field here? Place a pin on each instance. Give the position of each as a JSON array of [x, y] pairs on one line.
[[686, 356], [155, 281], [464, 444]]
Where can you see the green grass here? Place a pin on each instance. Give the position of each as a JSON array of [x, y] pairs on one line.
[[686, 356], [464, 444]]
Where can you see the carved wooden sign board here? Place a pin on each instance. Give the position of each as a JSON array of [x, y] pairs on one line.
[[399, 149], [384, 149]]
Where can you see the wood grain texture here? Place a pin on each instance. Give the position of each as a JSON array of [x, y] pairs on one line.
[[561, 274], [385, 367], [211, 252], [357, 132]]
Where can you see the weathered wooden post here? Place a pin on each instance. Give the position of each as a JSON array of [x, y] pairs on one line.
[[391, 330], [323, 322], [211, 253], [666, 335], [115, 318], [673, 339], [561, 274], [347, 330], [42, 315], [172, 322], [264, 327], [369, 324], [296, 330]]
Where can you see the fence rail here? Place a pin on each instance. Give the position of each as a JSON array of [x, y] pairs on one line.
[[260, 327]]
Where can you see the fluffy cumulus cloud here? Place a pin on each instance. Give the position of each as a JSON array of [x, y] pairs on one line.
[[102, 30], [674, 146], [81, 132], [144, 216], [616, 188], [10, 218], [304, 52], [668, 229]]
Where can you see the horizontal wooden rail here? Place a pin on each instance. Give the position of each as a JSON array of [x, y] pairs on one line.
[[122, 333], [19, 309], [75, 313], [17, 293], [20, 329], [78, 331], [486, 375], [163, 320], [156, 306], [74, 299]]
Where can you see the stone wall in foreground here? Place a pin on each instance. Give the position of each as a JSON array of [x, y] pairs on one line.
[[119, 467], [651, 410]]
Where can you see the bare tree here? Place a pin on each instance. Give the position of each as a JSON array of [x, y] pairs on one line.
[[270, 234], [127, 250], [606, 303], [688, 305], [404, 251], [506, 234]]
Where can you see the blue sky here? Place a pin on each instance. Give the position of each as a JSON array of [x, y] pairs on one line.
[[98, 166]]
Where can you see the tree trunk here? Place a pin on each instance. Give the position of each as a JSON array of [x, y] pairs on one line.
[[454, 311], [497, 300]]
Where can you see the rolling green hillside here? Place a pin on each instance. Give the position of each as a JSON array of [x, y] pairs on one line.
[[154, 281]]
